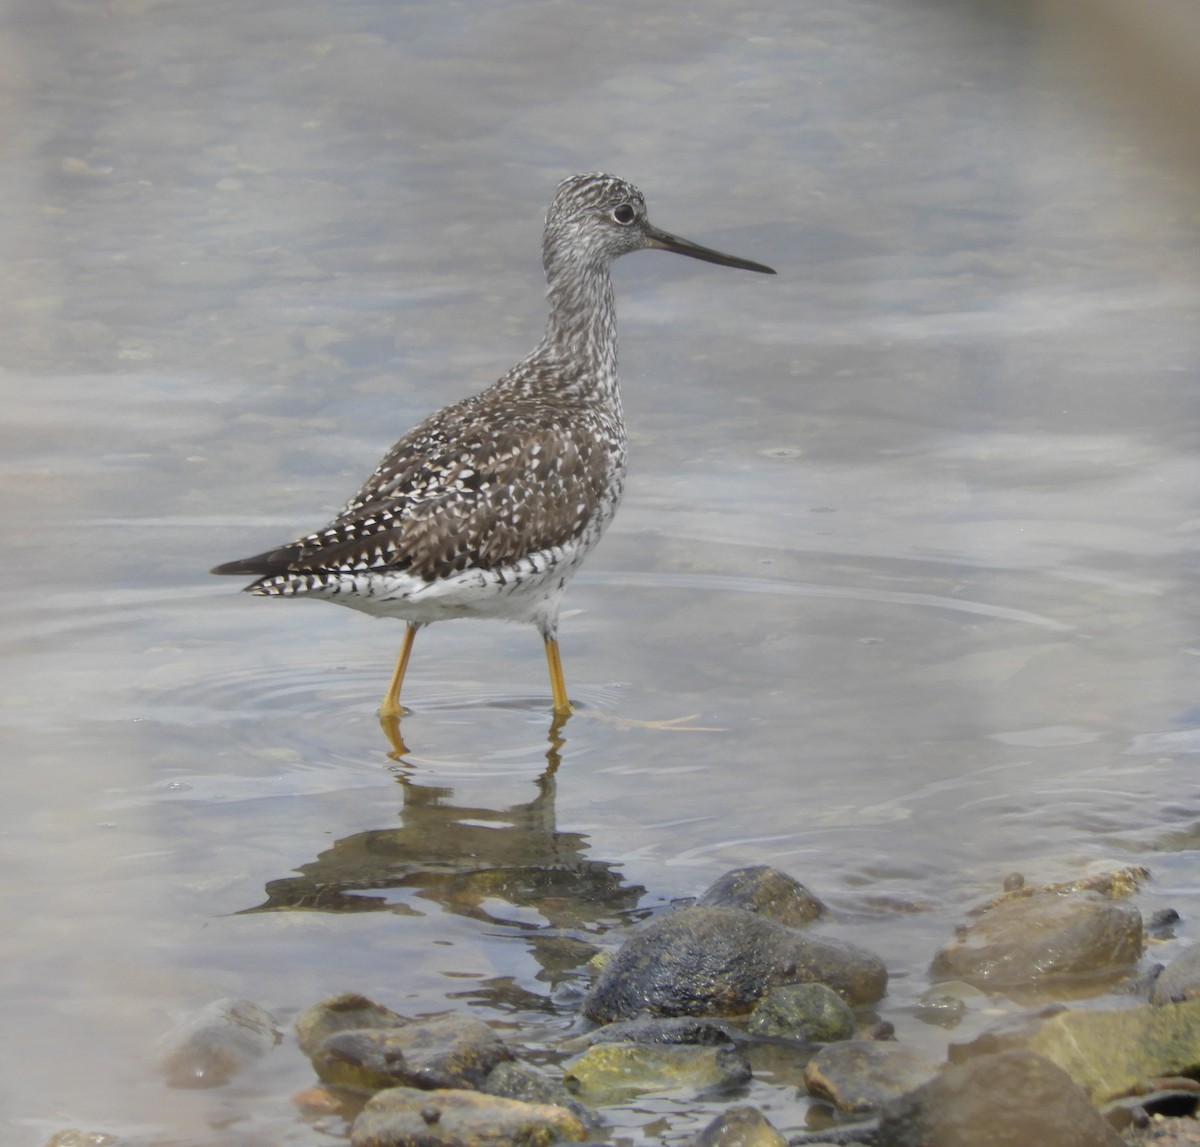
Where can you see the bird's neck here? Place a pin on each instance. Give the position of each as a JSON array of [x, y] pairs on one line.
[[582, 327]]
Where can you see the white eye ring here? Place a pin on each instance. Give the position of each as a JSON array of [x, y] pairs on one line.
[[624, 214]]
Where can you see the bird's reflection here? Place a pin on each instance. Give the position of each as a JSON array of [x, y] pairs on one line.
[[504, 866], [399, 749]]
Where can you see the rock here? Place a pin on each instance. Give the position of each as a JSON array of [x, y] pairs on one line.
[[760, 888], [1180, 979], [514, 1080], [809, 1012], [614, 1072], [665, 1029], [720, 961], [341, 1013], [447, 1052], [346, 1012], [861, 1075], [945, 1004], [1028, 941], [406, 1117], [1109, 1052], [211, 1046], [1013, 1099], [740, 1126], [1011, 1032]]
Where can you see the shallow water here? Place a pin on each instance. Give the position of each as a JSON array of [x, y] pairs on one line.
[[909, 537]]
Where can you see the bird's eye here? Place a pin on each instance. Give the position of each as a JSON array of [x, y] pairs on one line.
[[624, 214]]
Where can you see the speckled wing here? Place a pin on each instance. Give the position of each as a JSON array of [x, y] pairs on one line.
[[461, 492]]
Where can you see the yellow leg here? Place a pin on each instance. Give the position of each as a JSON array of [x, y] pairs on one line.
[[558, 687], [391, 699]]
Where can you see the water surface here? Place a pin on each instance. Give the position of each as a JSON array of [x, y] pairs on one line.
[[901, 598]]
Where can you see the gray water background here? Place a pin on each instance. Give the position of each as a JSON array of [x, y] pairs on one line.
[[909, 535]]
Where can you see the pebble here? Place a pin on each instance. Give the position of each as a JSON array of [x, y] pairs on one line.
[[720, 961], [211, 1046], [760, 888], [809, 1012], [861, 1075], [614, 1072], [406, 1117], [1014, 1099], [740, 1126], [346, 1011], [444, 1052], [1032, 940], [1180, 979]]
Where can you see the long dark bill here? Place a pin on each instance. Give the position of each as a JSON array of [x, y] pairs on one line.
[[667, 242]]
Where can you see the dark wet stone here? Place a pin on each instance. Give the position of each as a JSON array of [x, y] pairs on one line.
[[740, 1126], [809, 1012], [406, 1117], [1138, 1110], [614, 1072], [515, 1080], [1015, 1099], [345, 1012], [1030, 940], [720, 961], [211, 1046], [760, 888], [447, 1052], [667, 1029], [861, 1075], [1180, 979]]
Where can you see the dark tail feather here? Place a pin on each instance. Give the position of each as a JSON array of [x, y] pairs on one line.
[[261, 565]]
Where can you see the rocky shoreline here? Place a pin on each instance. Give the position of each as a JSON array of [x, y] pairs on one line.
[[697, 999]]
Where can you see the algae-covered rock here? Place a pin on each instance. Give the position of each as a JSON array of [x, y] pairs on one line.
[[406, 1117], [1014, 1099], [344, 1012], [211, 1046], [1180, 979], [446, 1052], [1030, 940], [862, 1075], [768, 891], [612, 1072], [720, 961], [740, 1126], [1109, 1052], [809, 1012]]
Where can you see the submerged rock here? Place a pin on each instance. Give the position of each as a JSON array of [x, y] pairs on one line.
[[768, 891], [514, 1080], [1014, 1099], [1180, 979], [809, 1012], [862, 1075], [344, 1012], [613, 1072], [1029, 940], [406, 1117], [211, 1046], [740, 1126], [446, 1052], [720, 961]]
